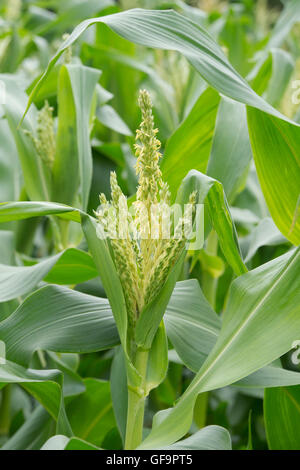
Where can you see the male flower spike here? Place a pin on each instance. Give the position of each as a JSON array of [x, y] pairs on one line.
[[143, 261]]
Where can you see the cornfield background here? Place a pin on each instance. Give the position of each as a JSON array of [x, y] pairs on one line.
[[207, 354]]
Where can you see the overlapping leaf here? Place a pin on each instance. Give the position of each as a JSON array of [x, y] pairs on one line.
[[73, 160], [58, 319], [231, 152], [44, 385], [257, 302], [35, 172], [210, 193], [33, 433], [71, 266], [282, 418], [193, 138], [169, 30], [24, 210], [192, 325], [208, 438]]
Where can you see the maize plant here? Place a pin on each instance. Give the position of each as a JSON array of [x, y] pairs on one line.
[[149, 227]]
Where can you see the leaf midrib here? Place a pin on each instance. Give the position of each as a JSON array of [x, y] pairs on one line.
[[249, 318], [293, 400]]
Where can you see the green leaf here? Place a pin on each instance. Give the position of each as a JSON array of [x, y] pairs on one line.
[[10, 54], [158, 360], [208, 438], [79, 444], [10, 174], [193, 138], [44, 385], [270, 377], [7, 256], [66, 163], [16, 281], [24, 210], [99, 249], [211, 192], [283, 67], [287, 19], [276, 150], [214, 265], [250, 440], [36, 174], [58, 442], [33, 433], [271, 75], [265, 299], [169, 30], [110, 118], [69, 13], [91, 414], [265, 234], [7, 246], [282, 418], [61, 442], [231, 152], [151, 316], [126, 78], [61, 320], [101, 53], [192, 325], [73, 384], [71, 266], [119, 392]]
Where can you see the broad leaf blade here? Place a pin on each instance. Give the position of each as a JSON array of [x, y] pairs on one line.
[[61, 320], [267, 299], [210, 193], [36, 174], [24, 210], [151, 316], [91, 414], [102, 258], [282, 418], [44, 385], [208, 438], [231, 152], [193, 138], [276, 151], [270, 377], [83, 81], [169, 30], [68, 267], [61, 442]]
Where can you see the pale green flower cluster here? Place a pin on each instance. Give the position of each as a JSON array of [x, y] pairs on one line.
[[143, 254], [44, 140]]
